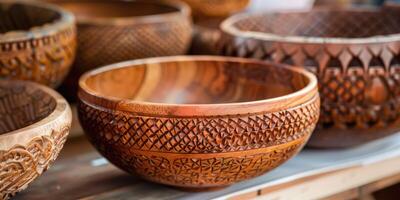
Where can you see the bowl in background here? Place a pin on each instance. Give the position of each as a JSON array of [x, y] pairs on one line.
[[354, 53], [37, 42], [114, 31], [216, 8]]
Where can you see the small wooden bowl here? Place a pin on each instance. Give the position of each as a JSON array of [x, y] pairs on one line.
[[37, 42], [354, 53], [34, 124], [198, 122], [206, 35], [216, 8], [114, 31]]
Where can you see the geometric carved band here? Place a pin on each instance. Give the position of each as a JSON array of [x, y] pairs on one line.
[[200, 134]]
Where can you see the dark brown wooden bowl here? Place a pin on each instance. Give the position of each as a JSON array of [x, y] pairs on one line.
[[37, 42], [34, 124], [353, 52], [198, 122], [114, 31]]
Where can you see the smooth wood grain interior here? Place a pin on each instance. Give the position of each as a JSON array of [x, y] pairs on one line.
[[110, 9], [324, 23], [197, 82], [22, 17], [22, 105]]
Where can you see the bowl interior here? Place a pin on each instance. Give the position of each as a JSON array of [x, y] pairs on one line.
[[112, 9], [196, 82], [22, 17], [22, 105], [351, 23]]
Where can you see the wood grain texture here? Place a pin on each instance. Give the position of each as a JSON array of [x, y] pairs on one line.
[[114, 31], [357, 67], [37, 42], [34, 124], [198, 121], [216, 8]]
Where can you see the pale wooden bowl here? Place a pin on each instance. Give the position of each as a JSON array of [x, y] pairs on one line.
[[34, 124], [198, 122]]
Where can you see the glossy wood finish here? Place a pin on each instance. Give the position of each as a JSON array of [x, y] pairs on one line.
[[34, 124], [216, 8], [114, 31], [37, 42], [353, 52], [198, 122]]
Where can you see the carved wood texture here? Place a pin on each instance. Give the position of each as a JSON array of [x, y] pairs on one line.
[[21, 106], [44, 58], [136, 143], [21, 164], [358, 82], [197, 150], [168, 32]]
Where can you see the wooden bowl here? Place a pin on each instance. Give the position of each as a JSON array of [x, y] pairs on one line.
[[37, 42], [353, 52], [114, 31], [34, 124], [198, 122], [216, 8], [206, 35]]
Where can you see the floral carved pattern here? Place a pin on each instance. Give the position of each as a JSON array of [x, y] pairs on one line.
[[195, 170], [21, 164]]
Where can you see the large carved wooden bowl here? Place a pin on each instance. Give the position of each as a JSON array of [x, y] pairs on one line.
[[353, 52], [114, 31], [216, 8], [37, 42], [34, 124], [198, 122]]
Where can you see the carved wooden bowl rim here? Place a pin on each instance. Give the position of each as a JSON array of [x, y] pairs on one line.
[[52, 120], [65, 21], [297, 98], [227, 26], [183, 10]]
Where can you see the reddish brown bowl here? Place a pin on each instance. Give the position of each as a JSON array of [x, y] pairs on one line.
[[37, 42], [198, 122], [114, 31], [34, 124], [353, 52]]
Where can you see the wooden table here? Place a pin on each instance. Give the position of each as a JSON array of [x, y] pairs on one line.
[[81, 173]]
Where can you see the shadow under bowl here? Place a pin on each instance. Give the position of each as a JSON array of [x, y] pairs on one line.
[[115, 31], [34, 124], [37, 42], [198, 122], [354, 52]]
